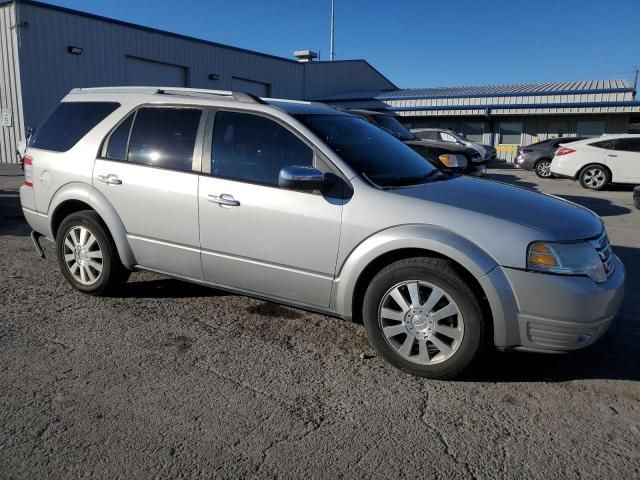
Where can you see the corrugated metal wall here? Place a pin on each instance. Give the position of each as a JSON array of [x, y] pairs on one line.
[[323, 79], [534, 128], [49, 71], [10, 91]]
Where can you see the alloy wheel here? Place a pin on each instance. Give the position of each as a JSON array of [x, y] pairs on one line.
[[421, 322], [83, 255], [543, 169], [594, 177]]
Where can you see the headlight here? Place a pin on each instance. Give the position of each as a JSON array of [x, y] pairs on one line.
[[579, 258], [453, 161]]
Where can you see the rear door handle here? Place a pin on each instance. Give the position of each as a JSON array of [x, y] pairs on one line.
[[224, 199], [110, 179], [610, 155]]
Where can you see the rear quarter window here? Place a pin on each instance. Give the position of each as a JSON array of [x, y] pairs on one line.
[[68, 123]]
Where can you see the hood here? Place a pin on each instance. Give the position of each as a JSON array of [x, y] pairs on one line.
[[558, 219]]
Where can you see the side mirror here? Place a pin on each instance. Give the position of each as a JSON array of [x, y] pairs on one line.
[[301, 178]]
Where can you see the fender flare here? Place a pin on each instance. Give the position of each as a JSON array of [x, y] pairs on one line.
[[86, 193], [425, 237]]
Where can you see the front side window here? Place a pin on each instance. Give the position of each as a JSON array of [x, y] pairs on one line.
[[447, 137], [254, 149], [369, 151], [68, 123], [628, 144], [164, 137]]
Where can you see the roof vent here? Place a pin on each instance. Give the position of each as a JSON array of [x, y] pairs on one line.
[[305, 56]]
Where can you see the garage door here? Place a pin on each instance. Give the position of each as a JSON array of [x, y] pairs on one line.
[[147, 72], [250, 86]]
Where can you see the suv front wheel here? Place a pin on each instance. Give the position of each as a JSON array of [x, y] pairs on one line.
[[423, 318], [87, 255]]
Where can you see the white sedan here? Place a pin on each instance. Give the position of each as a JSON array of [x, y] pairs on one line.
[[597, 162]]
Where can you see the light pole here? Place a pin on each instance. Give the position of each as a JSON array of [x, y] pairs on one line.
[[331, 52]]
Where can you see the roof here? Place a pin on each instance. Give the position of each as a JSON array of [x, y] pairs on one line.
[[503, 90], [141, 27], [515, 89]]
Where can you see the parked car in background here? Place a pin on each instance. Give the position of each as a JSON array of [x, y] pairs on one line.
[[487, 152], [307, 206], [538, 156], [445, 156], [596, 162]]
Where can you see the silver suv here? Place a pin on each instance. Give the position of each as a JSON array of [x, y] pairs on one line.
[[308, 206]]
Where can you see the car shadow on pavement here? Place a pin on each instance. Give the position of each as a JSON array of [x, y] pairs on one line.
[[166, 288], [12, 220], [601, 206], [616, 356]]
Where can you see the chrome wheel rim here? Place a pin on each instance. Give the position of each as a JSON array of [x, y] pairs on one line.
[[83, 255], [594, 178], [544, 169], [421, 322]]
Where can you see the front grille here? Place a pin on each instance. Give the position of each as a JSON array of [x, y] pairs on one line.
[[603, 247]]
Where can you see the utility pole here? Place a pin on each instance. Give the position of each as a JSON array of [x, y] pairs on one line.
[[331, 52]]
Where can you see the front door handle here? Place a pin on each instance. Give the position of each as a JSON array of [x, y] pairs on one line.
[[224, 199], [611, 155], [110, 179]]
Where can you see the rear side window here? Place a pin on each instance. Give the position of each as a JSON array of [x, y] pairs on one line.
[[429, 135], [606, 144], [118, 141], [253, 149], [68, 123], [164, 137]]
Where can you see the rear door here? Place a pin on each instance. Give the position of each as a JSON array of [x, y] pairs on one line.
[[146, 170], [624, 160], [256, 236]]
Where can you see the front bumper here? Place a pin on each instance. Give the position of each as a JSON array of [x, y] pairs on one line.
[[554, 312]]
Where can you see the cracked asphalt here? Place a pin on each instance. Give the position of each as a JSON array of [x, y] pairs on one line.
[[174, 380]]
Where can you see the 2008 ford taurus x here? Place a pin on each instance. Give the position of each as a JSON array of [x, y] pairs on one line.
[[311, 207]]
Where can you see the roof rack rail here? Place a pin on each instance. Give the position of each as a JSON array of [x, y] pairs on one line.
[[239, 96]]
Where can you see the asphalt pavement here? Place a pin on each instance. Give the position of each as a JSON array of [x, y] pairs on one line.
[[174, 380]]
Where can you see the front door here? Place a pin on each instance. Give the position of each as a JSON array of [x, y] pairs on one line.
[[256, 236], [624, 159], [146, 172]]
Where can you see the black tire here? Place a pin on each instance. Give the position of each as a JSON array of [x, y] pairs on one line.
[[112, 274], [439, 273], [587, 174], [542, 168]]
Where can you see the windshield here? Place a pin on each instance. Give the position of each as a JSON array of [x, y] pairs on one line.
[[393, 126], [369, 151]]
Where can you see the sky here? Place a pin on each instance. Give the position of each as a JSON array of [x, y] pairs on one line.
[[416, 43]]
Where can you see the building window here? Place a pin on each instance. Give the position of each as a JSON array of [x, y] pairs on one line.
[[590, 128], [510, 133], [474, 131]]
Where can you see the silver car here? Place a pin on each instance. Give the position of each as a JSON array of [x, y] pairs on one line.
[[487, 152], [311, 207]]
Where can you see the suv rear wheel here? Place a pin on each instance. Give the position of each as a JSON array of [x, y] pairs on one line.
[[594, 177], [87, 255], [423, 318]]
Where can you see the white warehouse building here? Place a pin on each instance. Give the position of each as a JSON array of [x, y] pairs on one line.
[[46, 50]]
